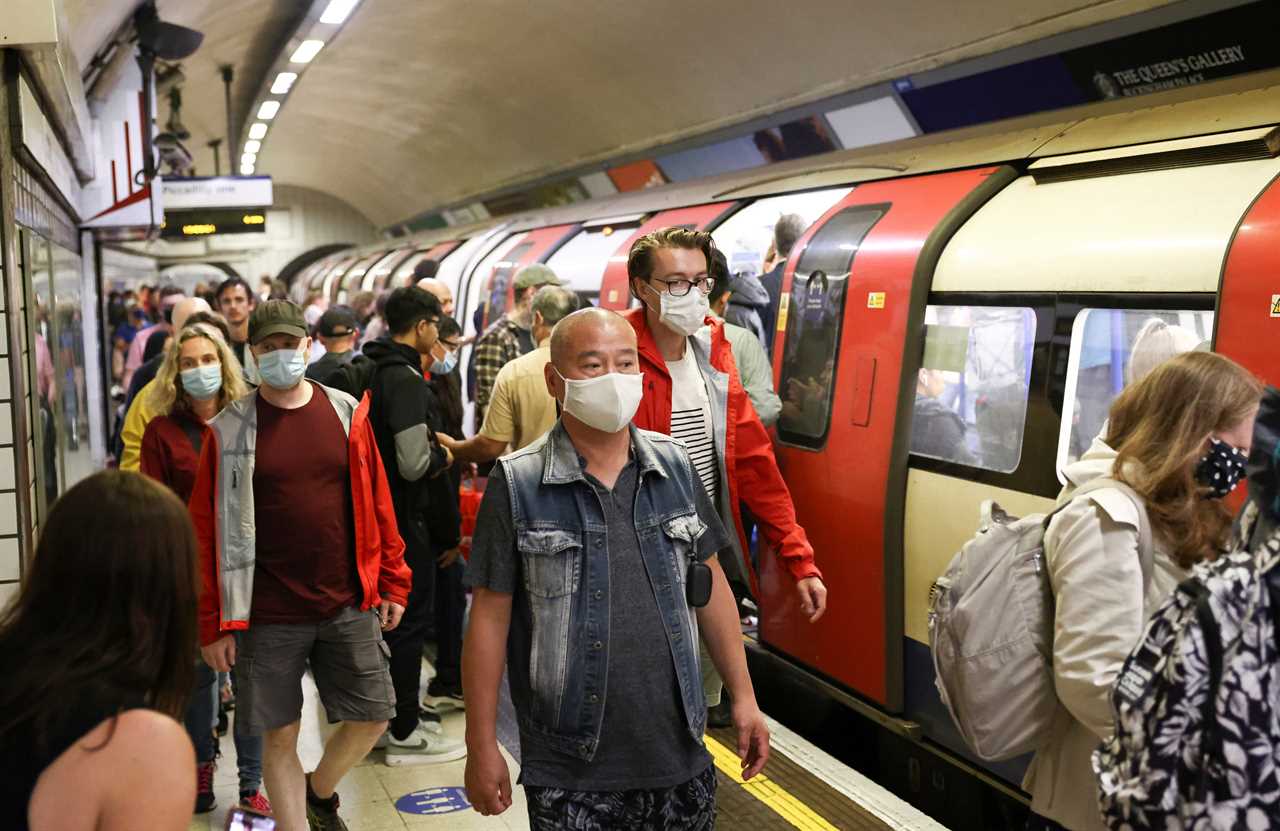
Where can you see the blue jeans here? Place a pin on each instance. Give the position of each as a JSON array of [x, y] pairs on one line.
[[202, 715]]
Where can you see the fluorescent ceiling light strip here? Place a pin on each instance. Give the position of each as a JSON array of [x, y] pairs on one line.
[[268, 110], [252, 146], [246, 170], [338, 10], [249, 158], [283, 83], [307, 50], [258, 130]]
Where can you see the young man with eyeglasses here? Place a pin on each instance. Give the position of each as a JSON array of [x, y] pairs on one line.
[[692, 391], [405, 418]]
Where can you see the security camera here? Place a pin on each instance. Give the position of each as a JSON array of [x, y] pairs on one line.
[[173, 154]]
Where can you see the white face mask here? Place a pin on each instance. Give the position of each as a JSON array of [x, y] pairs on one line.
[[682, 314], [607, 402]]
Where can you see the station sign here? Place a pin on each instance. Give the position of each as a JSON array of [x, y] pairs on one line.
[[206, 223], [198, 192]]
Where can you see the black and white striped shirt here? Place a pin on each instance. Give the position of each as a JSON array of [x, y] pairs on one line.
[[691, 420]]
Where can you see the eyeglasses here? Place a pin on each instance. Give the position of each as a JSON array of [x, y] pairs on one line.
[[679, 288]]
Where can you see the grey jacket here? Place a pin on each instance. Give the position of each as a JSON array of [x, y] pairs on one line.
[[756, 372]]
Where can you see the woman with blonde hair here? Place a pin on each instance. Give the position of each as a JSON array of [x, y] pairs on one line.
[[198, 378], [1178, 439]]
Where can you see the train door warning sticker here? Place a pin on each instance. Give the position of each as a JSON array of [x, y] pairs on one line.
[[875, 300], [1275, 305], [783, 307], [434, 801]]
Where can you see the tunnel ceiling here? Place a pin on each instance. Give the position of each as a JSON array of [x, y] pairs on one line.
[[417, 104]]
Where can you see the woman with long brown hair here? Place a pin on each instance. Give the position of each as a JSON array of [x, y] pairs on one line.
[[96, 654], [1178, 439]]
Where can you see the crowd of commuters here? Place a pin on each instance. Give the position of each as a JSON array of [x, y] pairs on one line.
[[633, 469]]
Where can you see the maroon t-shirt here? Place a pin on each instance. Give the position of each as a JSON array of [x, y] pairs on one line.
[[306, 566]]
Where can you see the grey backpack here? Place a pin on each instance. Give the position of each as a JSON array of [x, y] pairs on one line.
[[991, 619]]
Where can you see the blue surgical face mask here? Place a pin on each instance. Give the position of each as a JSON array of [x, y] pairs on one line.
[[202, 382], [445, 365], [283, 368]]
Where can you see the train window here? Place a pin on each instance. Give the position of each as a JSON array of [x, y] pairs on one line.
[[1111, 348], [747, 235], [581, 262], [971, 393], [816, 306]]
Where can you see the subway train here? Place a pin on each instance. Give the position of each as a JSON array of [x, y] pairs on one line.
[[997, 279]]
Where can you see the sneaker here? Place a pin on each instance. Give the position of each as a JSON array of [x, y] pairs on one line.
[[255, 801], [322, 814], [423, 748], [441, 699], [383, 740], [205, 801]]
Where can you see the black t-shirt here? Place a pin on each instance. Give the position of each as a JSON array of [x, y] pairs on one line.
[[644, 740], [23, 757]]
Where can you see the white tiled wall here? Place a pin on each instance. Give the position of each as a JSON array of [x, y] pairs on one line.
[[9, 554], [8, 513], [7, 592]]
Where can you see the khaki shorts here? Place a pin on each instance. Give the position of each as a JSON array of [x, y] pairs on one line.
[[348, 658]]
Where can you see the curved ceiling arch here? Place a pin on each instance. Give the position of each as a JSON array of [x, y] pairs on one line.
[[419, 104]]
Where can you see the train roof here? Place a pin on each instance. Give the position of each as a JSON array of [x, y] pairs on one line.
[[1235, 104]]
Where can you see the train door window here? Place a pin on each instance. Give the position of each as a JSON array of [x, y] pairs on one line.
[[489, 280], [816, 305], [748, 234], [581, 262], [1111, 348], [971, 393]]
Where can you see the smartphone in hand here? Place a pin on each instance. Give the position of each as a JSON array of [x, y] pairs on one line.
[[242, 819]]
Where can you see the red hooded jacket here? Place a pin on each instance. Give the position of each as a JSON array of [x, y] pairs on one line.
[[752, 471]]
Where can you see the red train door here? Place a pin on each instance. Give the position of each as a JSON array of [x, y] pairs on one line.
[[850, 334], [1248, 321], [613, 288]]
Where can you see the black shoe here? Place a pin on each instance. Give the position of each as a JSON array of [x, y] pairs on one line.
[[224, 724], [443, 698], [322, 814], [720, 715]]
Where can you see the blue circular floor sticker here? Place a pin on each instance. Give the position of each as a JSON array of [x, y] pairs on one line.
[[433, 801]]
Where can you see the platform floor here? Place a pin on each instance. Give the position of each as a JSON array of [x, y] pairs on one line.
[[802, 788]]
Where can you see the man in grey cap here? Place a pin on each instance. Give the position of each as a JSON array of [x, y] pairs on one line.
[[510, 337]]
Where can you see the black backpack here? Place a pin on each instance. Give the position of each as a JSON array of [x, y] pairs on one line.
[[354, 377]]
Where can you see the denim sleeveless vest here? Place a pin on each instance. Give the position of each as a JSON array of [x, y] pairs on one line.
[[561, 539]]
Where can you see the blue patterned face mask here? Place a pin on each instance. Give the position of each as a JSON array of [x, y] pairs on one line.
[[283, 368], [1221, 469]]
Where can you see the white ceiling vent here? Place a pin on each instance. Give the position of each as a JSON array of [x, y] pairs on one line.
[[1236, 146]]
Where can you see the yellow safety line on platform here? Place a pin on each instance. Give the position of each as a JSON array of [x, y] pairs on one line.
[[767, 791]]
